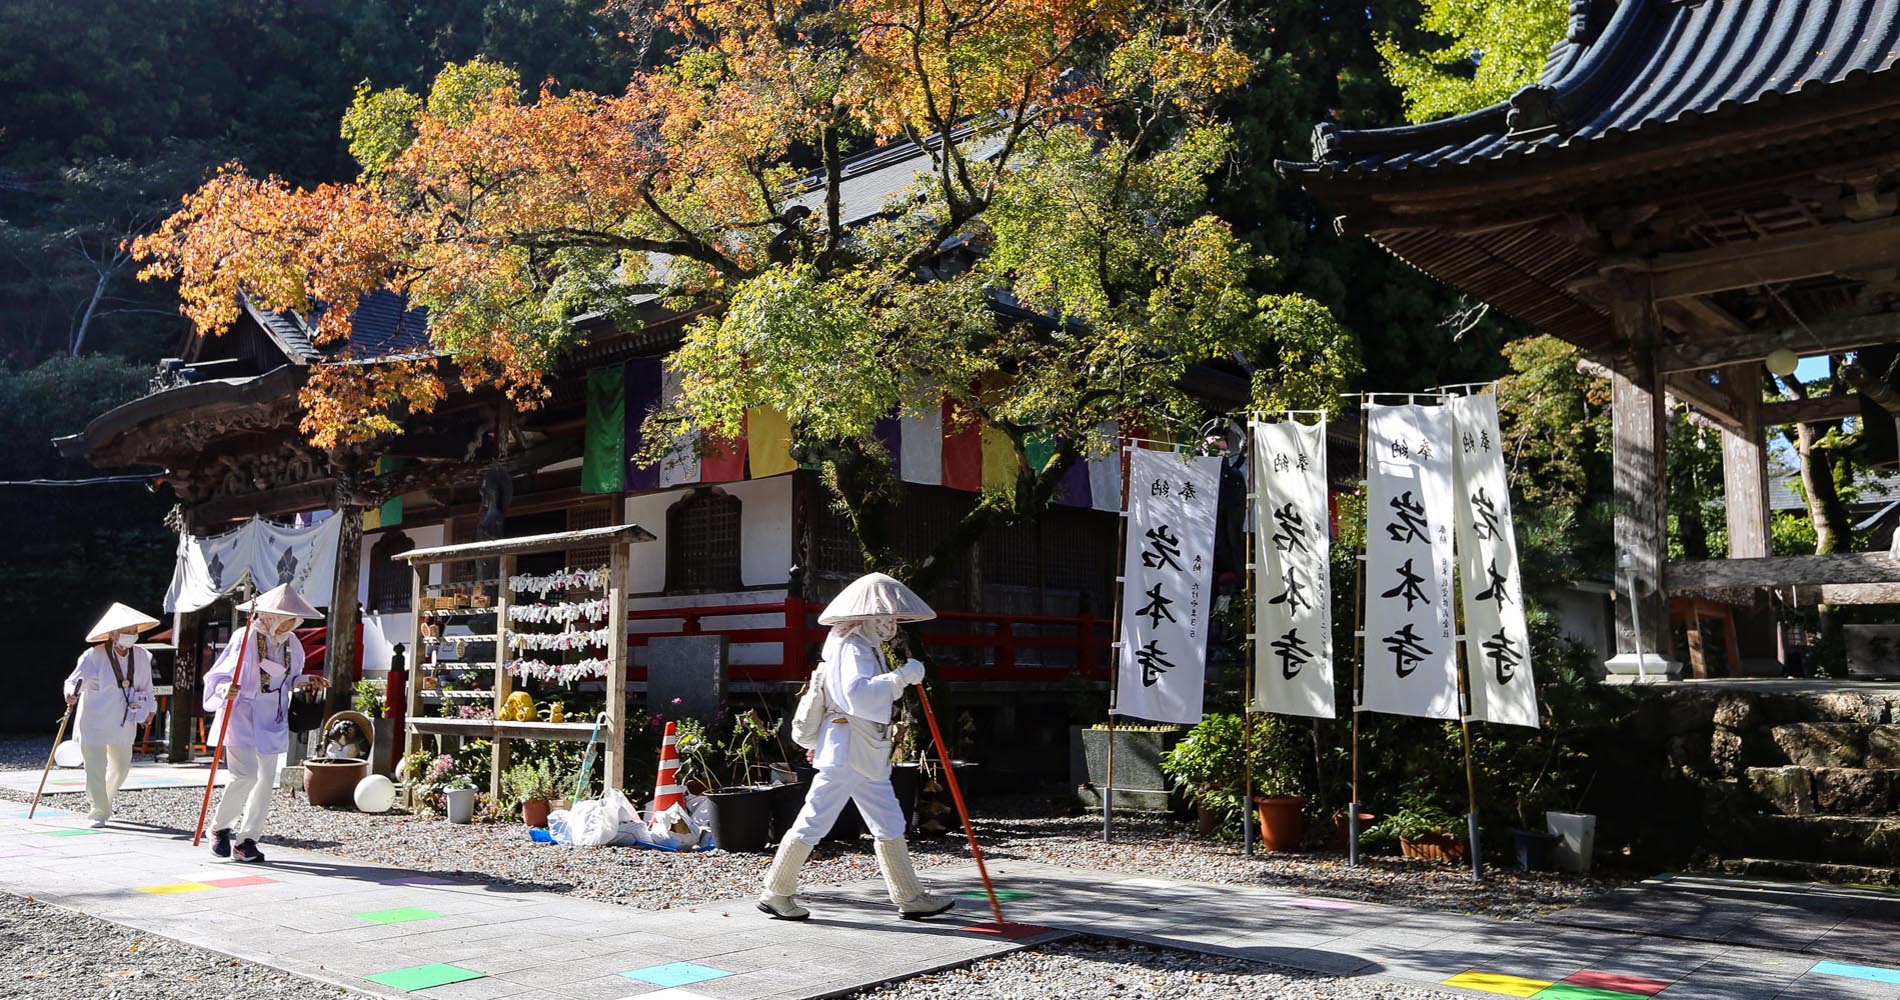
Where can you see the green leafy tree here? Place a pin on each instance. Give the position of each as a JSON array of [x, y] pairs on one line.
[[1491, 49]]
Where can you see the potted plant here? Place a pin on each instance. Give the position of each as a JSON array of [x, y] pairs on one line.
[[1207, 766], [368, 698], [1424, 830], [741, 810], [532, 785], [1210, 764], [460, 799]]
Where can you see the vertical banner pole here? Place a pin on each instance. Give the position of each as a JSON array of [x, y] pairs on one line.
[[1471, 784], [1253, 642], [1353, 809], [1115, 661]]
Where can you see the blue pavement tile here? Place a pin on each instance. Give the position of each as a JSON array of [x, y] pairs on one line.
[[676, 974], [1867, 972]]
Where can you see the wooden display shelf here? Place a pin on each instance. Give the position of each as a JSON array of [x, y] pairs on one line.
[[572, 732]]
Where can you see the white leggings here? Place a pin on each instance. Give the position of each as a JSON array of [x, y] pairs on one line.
[[106, 767], [253, 776], [834, 787]]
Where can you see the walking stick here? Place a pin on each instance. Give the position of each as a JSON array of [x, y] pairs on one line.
[[57, 738], [956, 795], [217, 752]]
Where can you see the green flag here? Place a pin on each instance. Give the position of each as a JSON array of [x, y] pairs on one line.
[[604, 459]]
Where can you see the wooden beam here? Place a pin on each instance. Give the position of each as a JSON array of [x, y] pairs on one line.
[[1828, 336], [552, 542], [1745, 471], [416, 478], [1783, 571], [1712, 400], [1839, 248], [316, 494], [1847, 593], [1814, 410]]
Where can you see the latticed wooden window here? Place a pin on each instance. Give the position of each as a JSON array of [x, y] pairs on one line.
[[390, 582], [580, 519], [702, 543], [835, 545]]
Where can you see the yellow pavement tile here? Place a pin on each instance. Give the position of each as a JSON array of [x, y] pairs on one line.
[[175, 887], [1497, 982]]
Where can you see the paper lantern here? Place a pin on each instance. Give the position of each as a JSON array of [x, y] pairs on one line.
[[1782, 361], [67, 754], [375, 794]]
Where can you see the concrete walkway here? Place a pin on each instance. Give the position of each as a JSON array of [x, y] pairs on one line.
[[144, 774], [387, 932]]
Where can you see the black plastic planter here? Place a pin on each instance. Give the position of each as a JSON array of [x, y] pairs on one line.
[[1535, 849], [741, 817], [787, 800]]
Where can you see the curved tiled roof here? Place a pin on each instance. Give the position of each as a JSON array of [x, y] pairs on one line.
[[1654, 66]]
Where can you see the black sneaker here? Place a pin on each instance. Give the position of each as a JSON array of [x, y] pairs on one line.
[[247, 852], [221, 843]]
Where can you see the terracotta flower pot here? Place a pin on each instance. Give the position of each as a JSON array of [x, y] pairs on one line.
[[331, 782], [534, 812], [1342, 829], [1435, 847], [1281, 825]]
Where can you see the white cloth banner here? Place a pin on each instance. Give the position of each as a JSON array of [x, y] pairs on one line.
[[1497, 640], [263, 553], [681, 464], [1167, 585], [1293, 640], [1410, 656]]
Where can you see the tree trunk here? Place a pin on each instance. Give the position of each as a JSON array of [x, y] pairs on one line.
[[1829, 514]]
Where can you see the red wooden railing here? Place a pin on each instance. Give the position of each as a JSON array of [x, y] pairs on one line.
[[968, 646]]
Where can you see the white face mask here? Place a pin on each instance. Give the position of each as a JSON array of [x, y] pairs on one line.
[[881, 629], [124, 640]]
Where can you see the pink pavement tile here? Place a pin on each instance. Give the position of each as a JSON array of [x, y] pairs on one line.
[[1623, 984], [1319, 904], [233, 883]]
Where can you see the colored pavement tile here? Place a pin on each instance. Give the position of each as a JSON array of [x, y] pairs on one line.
[[1002, 895], [1868, 972], [1499, 983], [422, 977], [20, 852], [1568, 991], [1006, 931], [414, 880], [400, 915], [1318, 904], [676, 974], [70, 833], [233, 883], [173, 888], [1611, 981], [37, 813]]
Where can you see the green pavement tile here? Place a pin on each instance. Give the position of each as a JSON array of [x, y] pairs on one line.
[[72, 833], [422, 977], [1002, 895], [401, 915], [1570, 991]]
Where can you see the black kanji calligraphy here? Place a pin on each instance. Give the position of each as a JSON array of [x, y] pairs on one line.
[[1411, 523], [1401, 450], [1164, 548], [1484, 441], [1154, 662], [1160, 488], [1407, 651], [1424, 450], [1408, 587], [1188, 492], [1292, 534], [1496, 591], [1157, 607], [1293, 653], [1302, 463], [1503, 654], [1294, 596], [1470, 443], [1280, 463], [1484, 515]]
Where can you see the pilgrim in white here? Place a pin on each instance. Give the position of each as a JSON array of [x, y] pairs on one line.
[[112, 687], [853, 751]]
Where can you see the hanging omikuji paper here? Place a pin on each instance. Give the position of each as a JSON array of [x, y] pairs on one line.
[[1167, 585], [1411, 662], [1497, 640], [1293, 617]]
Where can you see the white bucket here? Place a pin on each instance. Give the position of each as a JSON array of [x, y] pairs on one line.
[[461, 804], [1579, 833]]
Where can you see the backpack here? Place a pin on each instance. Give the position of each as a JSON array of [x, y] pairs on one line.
[[808, 719]]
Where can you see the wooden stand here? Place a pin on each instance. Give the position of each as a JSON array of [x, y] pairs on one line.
[[506, 550]]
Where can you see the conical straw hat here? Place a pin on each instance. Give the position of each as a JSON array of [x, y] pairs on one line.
[[875, 595], [281, 600], [117, 619]]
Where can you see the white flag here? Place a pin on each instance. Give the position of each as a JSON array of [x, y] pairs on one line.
[[1497, 640], [1411, 662], [1167, 584], [1293, 618]]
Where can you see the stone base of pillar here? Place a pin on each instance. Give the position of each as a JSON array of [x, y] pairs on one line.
[[1623, 668]]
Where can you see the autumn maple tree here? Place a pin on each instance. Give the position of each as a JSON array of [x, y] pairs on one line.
[[1052, 266]]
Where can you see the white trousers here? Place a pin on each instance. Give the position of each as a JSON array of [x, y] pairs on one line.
[[106, 767], [247, 794], [834, 787]]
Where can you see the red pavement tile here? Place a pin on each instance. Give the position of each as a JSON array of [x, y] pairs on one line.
[[1612, 981]]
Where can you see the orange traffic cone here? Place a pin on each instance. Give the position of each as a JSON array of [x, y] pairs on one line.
[[667, 792]]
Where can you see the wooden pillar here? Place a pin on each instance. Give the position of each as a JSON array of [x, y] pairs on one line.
[[615, 763], [1745, 466], [1640, 482], [185, 697], [504, 681], [339, 658]]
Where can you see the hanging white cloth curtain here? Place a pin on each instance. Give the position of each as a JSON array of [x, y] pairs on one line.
[[1293, 645], [1411, 661], [257, 551], [1497, 639], [1167, 585]]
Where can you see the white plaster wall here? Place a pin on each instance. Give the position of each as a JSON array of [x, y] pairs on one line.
[[765, 534]]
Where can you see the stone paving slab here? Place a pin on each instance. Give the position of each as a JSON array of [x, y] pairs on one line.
[[313, 918], [143, 774]]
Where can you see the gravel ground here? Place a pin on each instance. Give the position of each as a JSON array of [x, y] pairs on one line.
[[49, 952], [1087, 969]]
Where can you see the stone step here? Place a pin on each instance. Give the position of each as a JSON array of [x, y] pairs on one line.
[[1841, 840], [1813, 791], [1829, 744], [1812, 871]]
